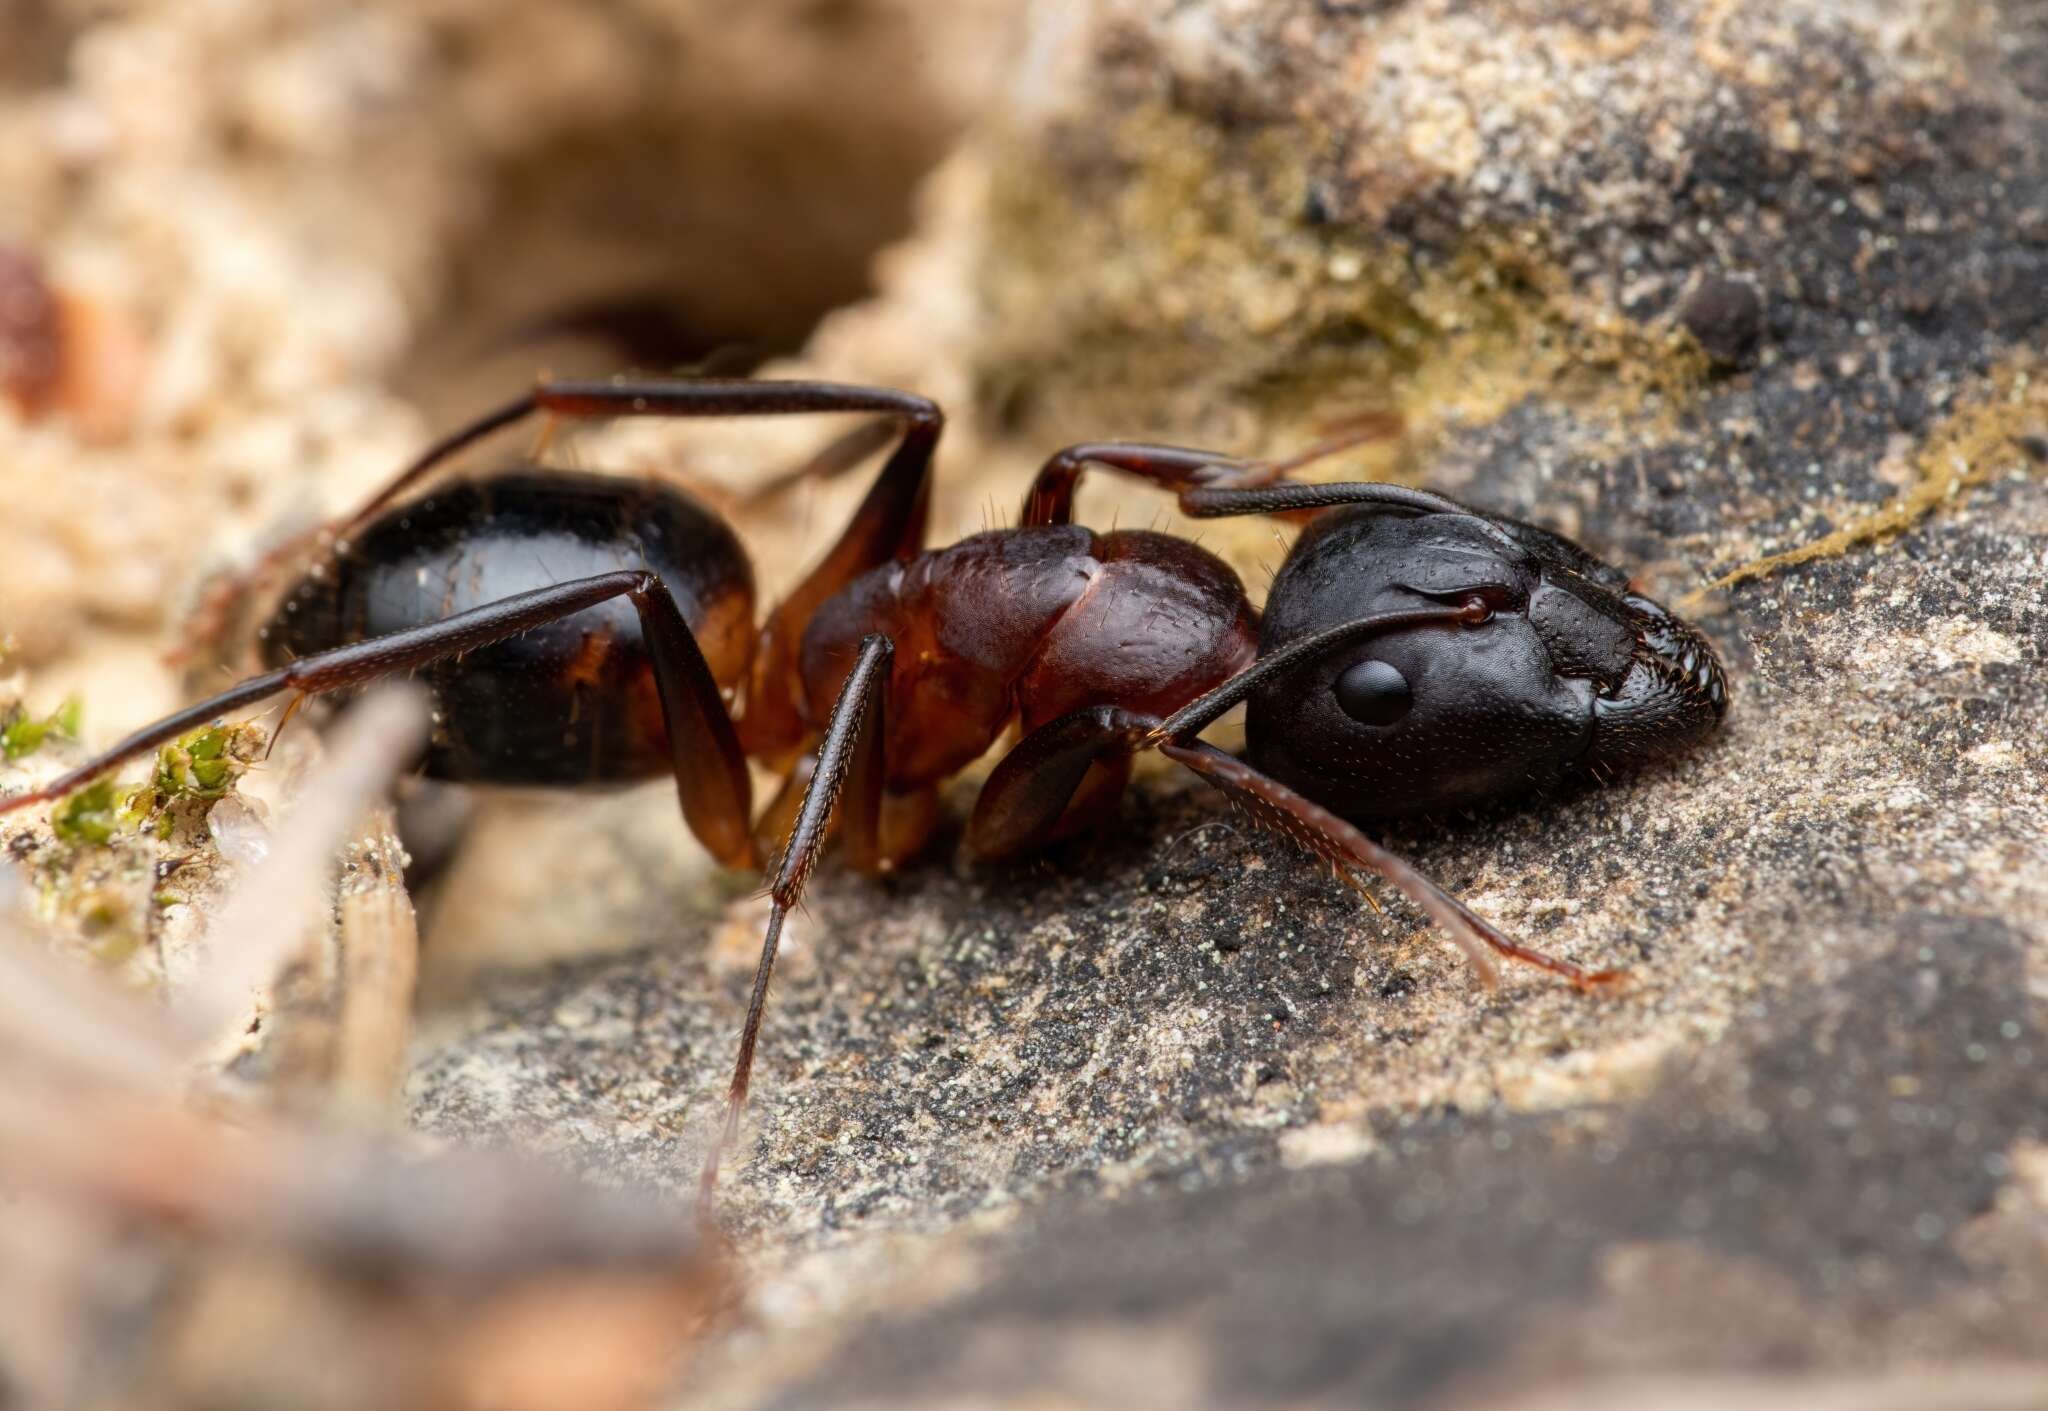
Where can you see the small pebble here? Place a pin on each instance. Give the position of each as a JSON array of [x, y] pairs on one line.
[[1727, 317]]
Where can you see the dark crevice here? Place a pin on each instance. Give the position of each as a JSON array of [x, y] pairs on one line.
[[668, 242]]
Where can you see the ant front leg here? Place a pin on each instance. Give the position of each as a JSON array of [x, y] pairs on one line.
[[1028, 792], [1309, 825], [1050, 500], [1026, 795], [850, 759], [1180, 469], [711, 776], [1035, 790]]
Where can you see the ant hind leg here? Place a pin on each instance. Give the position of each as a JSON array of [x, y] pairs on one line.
[[850, 761], [209, 621], [712, 783]]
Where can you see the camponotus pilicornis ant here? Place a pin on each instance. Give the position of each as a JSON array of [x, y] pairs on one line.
[[1413, 654]]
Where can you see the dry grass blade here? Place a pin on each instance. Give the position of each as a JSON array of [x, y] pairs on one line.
[[380, 960], [260, 930]]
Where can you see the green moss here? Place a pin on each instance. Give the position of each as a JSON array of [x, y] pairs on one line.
[[21, 735], [100, 879], [203, 765], [192, 773], [1982, 437], [89, 818]]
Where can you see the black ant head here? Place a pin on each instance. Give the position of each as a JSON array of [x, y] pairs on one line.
[[1563, 671]]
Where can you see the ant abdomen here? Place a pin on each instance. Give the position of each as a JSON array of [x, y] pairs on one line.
[[572, 701]]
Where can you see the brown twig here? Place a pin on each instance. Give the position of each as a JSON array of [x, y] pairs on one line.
[[380, 966]]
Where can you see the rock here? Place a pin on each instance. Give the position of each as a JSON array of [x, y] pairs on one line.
[[1169, 1118], [1800, 1196]]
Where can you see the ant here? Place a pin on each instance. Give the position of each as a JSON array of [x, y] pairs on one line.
[[1413, 654]]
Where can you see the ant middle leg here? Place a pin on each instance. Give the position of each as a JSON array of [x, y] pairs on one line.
[[712, 783], [1181, 469], [1052, 777], [906, 825]]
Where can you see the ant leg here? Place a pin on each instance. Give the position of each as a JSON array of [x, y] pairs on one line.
[[889, 522], [906, 825], [1310, 825], [850, 758], [209, 620], [676, 397], [1030, 792], [832, 460], [1179, 468], [835, 458], [712, 782], [1050, 500]]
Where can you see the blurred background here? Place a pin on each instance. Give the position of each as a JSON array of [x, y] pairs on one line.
[[286, 242]]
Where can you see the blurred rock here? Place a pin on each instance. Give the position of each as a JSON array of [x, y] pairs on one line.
[[282, 271]]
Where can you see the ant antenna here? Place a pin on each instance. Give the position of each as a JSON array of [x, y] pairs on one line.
[[1218, 502]]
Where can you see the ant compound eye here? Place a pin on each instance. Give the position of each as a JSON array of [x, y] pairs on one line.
[[1373, 693]]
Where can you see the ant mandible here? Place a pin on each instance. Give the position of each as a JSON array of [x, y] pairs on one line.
[[1413, 654]]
